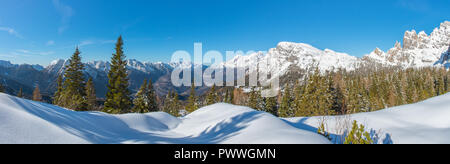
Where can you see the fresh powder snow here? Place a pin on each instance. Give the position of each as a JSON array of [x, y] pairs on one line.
[[425, 122], [25, 121]]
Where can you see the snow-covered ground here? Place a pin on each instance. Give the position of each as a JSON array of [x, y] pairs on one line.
[[25, 121], [421, 123]]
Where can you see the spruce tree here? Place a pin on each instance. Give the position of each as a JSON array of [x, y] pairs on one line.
[[231, 100], [309, 102], [171, 104], [338, 105], [59, 91], [91, 97], [226, 98], [285, 106], [271, 105], [37, 94], [151, 96], [211, 98], [192, 101], [141, 103], [167, 105], [447, 81], [118, 98], [175, 107], [73, 95], [253, 99], [20, 94]]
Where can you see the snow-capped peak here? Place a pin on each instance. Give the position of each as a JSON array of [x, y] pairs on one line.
[[289, 56]]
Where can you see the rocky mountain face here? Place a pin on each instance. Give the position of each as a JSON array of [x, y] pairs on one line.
[[445, 59], [418, 50]]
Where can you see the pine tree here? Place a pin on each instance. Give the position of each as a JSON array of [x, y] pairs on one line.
[[285, 109], [151, 96], [338, 105], [192, 101], [141, 103], [168, 102], [118, 98], [37, 94], [231, 100], [171, 104], [91, 97], [59, 91], [226, 98], [326, 95], [310, 100], [175, 111], [212, 96], [20, 94], [229, 96], [73, 95], [253, 101], [447, 80], [440, 82], [411, 88], [271, 105]]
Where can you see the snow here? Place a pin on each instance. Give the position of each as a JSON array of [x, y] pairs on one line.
[[25, 121], [299, 55], [426, 122], [419, 49]]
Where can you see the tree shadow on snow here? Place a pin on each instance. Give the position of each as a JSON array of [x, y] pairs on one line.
[[228, 128]]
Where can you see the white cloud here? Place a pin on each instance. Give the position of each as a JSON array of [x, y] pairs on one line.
[[7, 55], [95, 42], [11, 31], [23, 52], [66, 14], [86, 43], [50, 43]]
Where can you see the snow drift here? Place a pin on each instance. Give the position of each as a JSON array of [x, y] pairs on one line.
[[425, 122], [25, 121]]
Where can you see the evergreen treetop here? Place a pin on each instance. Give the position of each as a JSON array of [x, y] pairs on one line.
[[118, 99]]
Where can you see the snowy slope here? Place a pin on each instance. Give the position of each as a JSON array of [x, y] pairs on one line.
[[288, 56], [24, 121], [421, 123]]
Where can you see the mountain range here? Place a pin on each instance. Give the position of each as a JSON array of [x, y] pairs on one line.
[[287, 58], [418, 50]]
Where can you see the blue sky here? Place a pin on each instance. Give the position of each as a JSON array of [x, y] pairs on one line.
[[37, 32]]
